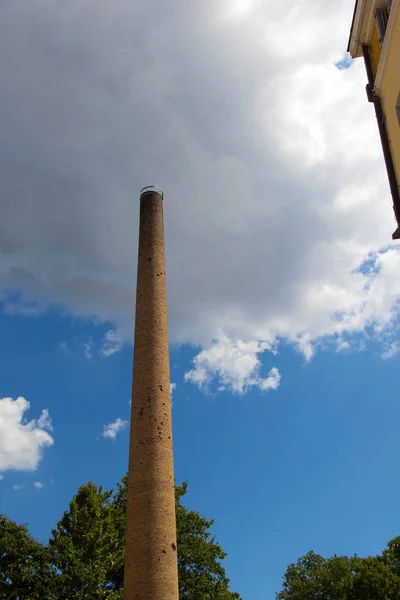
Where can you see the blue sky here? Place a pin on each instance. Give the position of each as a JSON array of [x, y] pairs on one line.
[[311, 465]]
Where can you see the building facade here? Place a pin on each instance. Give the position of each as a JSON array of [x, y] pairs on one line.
[[375, 36]]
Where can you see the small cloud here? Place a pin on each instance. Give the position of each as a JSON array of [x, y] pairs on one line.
[[1, 476], [235, 365], [22, 442], [342, 346], [112, 429], [88, 349], [172, 388], [391, 350], [18, 486], [64, 347], [38, 485], [112, 343], [44, 421], [271, 382], [305, 346]]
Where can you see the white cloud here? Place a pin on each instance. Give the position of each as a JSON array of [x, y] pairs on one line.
[[38, 485], [391, 350], [255, 120], [1, 477], [22, 442], [18, 486], [88, 349], [112, 429], [112, 343], [342, 346], [305, 346], [172, 388], [234, 364], [271, 382], [44, 421]]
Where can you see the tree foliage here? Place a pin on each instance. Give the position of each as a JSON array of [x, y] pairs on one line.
[[86, 547], [25, 568], [201, 574], [84, 559], [313, 577]]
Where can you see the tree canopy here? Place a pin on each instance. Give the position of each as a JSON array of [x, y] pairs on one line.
[[313, 577], [25, 570], [84, 559]]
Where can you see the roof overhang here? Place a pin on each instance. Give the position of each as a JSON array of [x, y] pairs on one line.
[[362, 23]]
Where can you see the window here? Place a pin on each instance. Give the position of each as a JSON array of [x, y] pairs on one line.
[[381, 20]]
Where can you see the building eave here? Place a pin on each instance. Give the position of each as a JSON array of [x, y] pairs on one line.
[[361, 27], [352, 26]]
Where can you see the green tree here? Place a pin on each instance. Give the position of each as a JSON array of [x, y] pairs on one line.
[[25, 567], [342, 578], [201, 574], [86, 547], [374, 579], [314, 577], [84, 559], [392, 554]]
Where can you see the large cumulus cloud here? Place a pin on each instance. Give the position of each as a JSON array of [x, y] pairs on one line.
[[275, 189]]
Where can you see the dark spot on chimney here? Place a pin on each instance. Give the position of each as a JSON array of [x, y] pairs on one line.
[[173, 546]]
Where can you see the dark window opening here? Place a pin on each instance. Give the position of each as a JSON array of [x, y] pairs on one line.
[[381, 20]]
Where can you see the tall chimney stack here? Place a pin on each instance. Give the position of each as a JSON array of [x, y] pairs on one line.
[[151, 571]]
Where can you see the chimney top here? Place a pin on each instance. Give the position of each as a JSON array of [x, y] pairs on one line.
[[151, 189]]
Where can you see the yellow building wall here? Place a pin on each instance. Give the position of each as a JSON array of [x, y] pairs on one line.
[[375, 49], [389, 89]]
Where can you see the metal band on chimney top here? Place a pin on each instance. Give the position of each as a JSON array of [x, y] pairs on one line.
[[151, 189]]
